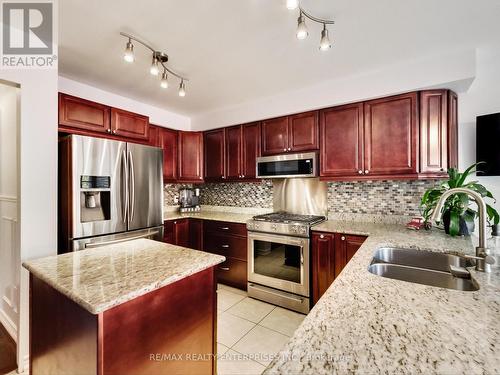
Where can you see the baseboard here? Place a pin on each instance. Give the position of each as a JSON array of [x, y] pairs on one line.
[[9, 325]]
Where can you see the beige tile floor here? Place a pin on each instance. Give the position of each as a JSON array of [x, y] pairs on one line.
[[250, 332]]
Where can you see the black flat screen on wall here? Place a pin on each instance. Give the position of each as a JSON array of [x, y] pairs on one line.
[[488, 144]]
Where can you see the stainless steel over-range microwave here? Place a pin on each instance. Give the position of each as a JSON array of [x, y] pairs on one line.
[[288, 166]]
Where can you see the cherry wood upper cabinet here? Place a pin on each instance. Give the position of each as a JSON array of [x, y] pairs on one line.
[[275, 136], [390, 134], [84, 114], [251, 134], [167, 140], [190, 157], [433, 131], [234, 153], [129, 124], [452, 130], [303, 131], [341, 134], [215, 169]]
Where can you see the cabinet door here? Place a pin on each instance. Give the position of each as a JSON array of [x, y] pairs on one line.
[[433, 131], [196, 234], [233, 272], [352, 244], [303, 132], [341, 148], [154, 136], [390, 133], [167, 140], [452, 130], [84, 114], [251, 149], [214, 155], [181, 232], [190, 153], [128, 124], [323, 263], [168, 232], [233, 153], [275, 136]]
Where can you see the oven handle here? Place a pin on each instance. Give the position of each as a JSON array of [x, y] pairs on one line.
[[288, 240]]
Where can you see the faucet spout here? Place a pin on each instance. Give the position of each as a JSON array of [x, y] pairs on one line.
[[481, 250]]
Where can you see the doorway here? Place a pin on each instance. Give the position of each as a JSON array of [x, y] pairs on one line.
[[10, 264]]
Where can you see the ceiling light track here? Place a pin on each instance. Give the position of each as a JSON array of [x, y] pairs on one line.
[[159, 59], [302, 31]]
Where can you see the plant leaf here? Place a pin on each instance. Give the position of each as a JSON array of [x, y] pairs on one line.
[[454, 223], [466, 173], [493, 214]]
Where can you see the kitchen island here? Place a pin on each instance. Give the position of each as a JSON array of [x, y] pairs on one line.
[[369, 324], [138, 307]]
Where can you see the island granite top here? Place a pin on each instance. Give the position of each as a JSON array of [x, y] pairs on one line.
[[99, 279], [368, 324]]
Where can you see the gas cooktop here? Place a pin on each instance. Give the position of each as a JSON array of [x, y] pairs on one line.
[[286, 218], [284, 223]]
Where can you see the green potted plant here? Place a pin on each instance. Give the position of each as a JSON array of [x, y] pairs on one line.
[[459, 210]]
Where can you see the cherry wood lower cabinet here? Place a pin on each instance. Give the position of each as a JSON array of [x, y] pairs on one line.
[[330, 253], [184, 232], [229, 240], [177, 320]]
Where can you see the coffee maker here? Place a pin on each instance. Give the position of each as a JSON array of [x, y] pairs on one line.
[[189, 200]]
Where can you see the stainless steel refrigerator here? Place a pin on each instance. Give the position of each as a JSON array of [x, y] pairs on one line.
[[109, 192]]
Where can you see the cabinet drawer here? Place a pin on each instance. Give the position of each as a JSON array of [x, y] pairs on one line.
[[229, 246], [223, 227], [233, 272]]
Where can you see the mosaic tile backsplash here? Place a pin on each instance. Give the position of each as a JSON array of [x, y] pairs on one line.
[[395, 198]]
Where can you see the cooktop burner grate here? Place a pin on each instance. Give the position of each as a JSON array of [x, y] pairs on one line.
[[284, 217]]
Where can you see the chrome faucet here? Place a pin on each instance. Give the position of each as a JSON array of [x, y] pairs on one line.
[[483, 261]]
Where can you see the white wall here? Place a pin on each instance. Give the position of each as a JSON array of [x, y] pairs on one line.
[[156, 115], [483, 97], [37, 191], [9, 251], [453, 70]]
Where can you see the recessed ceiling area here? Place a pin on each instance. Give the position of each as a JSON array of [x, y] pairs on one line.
[[238, 51]]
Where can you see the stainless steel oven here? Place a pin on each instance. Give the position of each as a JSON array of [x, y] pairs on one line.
[[278, 269]]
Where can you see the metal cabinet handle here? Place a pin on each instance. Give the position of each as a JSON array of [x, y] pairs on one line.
[[223, 177], [289, 149], [108, 130], [284, 149], [342, 238], [322, 236], [367, 171], [360, 171], [242, 176], [224, 228], [224, 268], [175, 222], [114, 131], [224, 246]]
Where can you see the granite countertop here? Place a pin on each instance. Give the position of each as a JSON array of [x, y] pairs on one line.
[[99, 279], [231, 217], [370, 324]]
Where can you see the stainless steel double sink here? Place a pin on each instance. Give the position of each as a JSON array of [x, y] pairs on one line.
[[424, 267]]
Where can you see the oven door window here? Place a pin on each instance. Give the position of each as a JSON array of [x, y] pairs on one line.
[[277, 260]]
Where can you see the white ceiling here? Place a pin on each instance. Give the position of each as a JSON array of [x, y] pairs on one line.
[[234, 51]]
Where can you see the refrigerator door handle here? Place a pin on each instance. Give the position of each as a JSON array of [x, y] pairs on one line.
[[132, 185], [124, 186]]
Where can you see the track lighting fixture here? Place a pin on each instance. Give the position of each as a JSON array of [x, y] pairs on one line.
[[128, 55], [158, 62], [302, 31], [324, 44], [155, 69], [182, 89], [164, 80]]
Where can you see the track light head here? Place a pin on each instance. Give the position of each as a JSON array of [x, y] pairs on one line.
[[325, 44], [128, 55], [302, 31], [292, 4], [164, 80], [182, 89], [155, 69]]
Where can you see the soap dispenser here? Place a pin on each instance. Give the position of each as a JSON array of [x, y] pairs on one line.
[[494, 245]]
